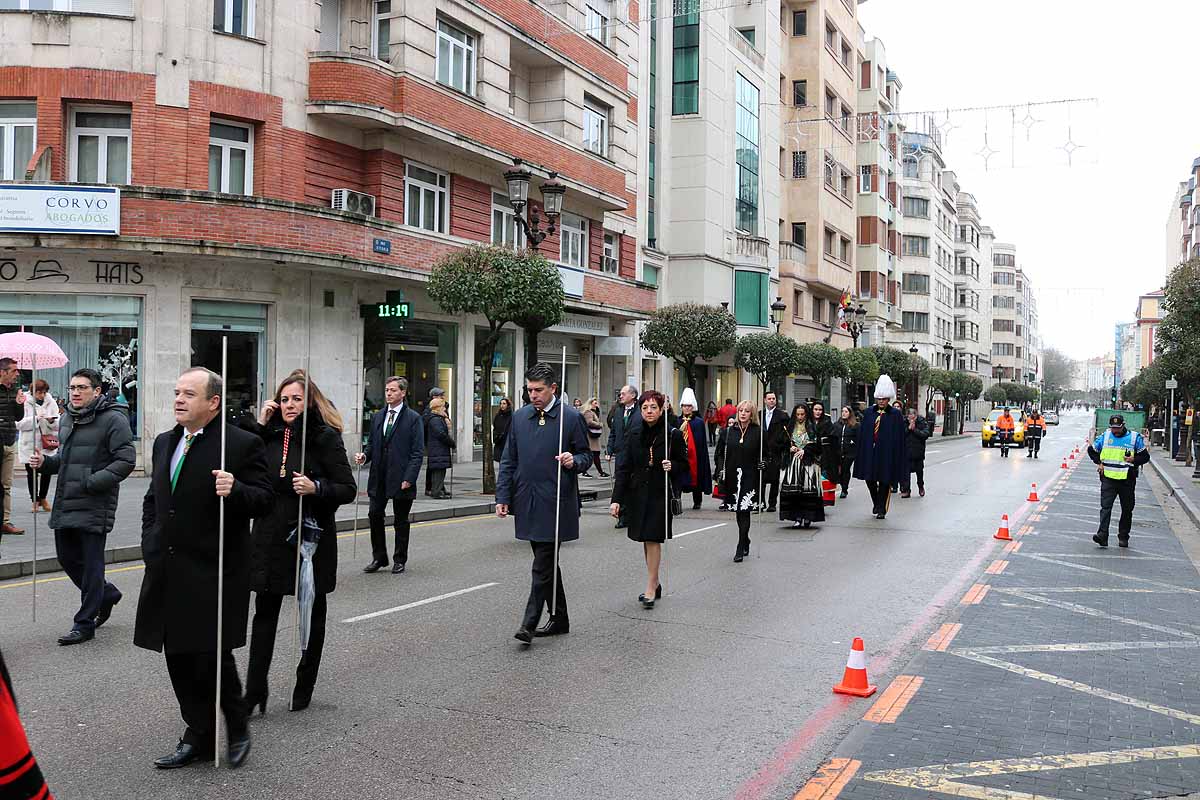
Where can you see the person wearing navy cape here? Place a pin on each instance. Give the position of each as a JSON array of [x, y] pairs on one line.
[[882, 457], [527, 486]]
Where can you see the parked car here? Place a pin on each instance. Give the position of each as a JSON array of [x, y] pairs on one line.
[[1051, 417]]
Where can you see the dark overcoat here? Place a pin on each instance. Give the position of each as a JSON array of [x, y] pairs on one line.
[[439, 444], [739, 464], [325, 463], [396, 458], [831, 454], [529, 473], [915, 439], [178, 603], [773, 450], [500, 423], [885, 461], [639, 482], [699, 439], [619, 428]]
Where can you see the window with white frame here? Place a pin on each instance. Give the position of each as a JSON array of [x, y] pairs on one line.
[[597, 13], [572, 240], [611, 262], [381, 30], [100, 145], [426, 198], [230, 157], [865, 179], [455, 57], [506, 231], [234, 16], [595, 127], [18, 137]]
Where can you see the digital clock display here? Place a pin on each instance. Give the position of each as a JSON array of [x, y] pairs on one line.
[[393, 310]]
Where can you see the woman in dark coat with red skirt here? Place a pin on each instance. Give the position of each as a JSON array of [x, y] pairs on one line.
[[326, 483]]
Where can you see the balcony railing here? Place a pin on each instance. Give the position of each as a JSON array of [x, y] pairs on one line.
[[790, 251], [745, 48], [752, 246]]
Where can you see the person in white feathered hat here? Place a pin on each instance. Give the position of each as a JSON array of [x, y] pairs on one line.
[[697, 479], [882, 457]]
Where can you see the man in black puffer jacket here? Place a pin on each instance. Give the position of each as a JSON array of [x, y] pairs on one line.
[[95, 456]]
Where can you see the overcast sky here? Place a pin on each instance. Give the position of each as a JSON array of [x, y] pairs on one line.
[[1092, 235]]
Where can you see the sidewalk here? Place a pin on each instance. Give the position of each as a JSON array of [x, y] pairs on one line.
[[124, 543], [1067, 671], [1179, 480]]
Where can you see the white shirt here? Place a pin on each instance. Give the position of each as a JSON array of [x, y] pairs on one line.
[[177, 456], [768, 413], [394, 413]]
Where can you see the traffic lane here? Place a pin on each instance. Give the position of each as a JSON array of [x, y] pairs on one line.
[[722, 669]]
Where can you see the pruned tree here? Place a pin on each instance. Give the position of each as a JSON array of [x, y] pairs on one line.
[[688, 332], [970, 390], [862, 366], [821, 362], [770, 357], [504, 287], [996, 395]]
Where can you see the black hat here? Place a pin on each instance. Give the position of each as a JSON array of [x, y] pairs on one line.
[[1116, 419]]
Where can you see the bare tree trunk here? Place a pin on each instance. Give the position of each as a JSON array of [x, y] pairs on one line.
[[486, 357]]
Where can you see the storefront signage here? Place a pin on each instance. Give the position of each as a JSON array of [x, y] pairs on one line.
[[581, 325], [615, 346], [572, 280], [26, 208], [49, 270], [383, 246], [387, 311]]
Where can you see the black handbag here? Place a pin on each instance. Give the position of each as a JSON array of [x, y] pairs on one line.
[[676, 506]]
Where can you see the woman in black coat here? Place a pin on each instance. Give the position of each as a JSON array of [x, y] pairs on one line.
[[500, 422], [845, 437], [639, 486], [741, 465], [325, 482], [439, 447], [830, 455], [800, 490]]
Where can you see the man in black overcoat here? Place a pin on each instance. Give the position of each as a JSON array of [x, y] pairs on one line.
[[177, 610], [882, 457], [774, 425], [625, 417]]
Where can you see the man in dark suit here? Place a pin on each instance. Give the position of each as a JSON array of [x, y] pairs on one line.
[[626, 417], [527, 485], [774, 421], [177, 609], [394, 450]]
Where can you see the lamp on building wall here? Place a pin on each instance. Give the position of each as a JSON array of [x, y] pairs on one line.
[[777, 309], [518, 179]]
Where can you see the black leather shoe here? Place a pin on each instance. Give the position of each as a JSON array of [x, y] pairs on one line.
[[1100, 540], [620, 525], [184, 754], [374, 566], [553, 627], [397, 568], [843, 494], [524, 635], [239, 748], [106, 612], [1122, 541], [255, 700], [76, 637], [738, 555], [770, 509]]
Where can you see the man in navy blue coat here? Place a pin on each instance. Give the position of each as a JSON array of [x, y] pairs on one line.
[[394, 451], [526, 489], [882, 457]]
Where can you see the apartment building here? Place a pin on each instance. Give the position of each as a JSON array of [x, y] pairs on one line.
[[1029, 344], [712, 188], [284, 175], [972, 289], [819, 79], [878, 267], [1180, 224], [1008, 356], [1125, 352], [1149, 315]]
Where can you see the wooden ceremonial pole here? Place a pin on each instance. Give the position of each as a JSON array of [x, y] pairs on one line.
[[562, 414], [220, 420]]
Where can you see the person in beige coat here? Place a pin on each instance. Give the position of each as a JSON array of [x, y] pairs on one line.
[[595, 429], [38, 427]]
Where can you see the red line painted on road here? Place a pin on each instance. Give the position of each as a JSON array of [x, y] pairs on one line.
[[774, 770]]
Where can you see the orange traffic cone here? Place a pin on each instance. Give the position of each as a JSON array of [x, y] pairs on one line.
[[1064, 466], [1071, 457], [828, 497], [1002, 531], [1033, 498], [854, 680]]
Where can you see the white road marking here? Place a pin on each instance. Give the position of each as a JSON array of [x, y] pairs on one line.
[[1112, 555], [1089, 611], [1075, 647], [1085, 568], [417, 603], [698, 530]]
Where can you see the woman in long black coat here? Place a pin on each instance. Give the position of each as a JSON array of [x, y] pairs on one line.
[[326, 482], [741, 465], [639, 486], [439, 447], [845, 435], [830, 454], [500, 422], [799, 499]]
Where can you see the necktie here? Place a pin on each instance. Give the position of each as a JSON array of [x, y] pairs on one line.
[[387, 428], [187, 445], [878, 419]]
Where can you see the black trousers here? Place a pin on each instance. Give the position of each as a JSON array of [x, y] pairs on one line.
[[82, 557], [194, 679], [43, 483], [377, 514], [542, 585], [845, 472], [743, 523], [697, 498], [919, 468], [1110, 490], [262, 644], [881, 496], [771, 487]]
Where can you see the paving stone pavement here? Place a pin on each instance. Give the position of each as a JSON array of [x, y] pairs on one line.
[[1074, 674]]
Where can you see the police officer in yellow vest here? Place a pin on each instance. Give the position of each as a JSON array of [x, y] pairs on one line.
[[1118, 452]]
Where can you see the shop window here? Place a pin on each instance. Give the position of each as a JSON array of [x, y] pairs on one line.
[[244, 326], [96, 331], [230, 157], [750, 297], [455, 58], [234, 16], [572, 241], [426, 198], [100, 145], [506, 231], [18, 136], [381, 30], [500, 383]]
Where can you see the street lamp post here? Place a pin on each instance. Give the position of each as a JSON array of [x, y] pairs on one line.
[[518, 179], [856, 322], [950, 421], [777, 309], [912, 357]]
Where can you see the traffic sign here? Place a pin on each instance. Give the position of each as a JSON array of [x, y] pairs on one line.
[[1172, 383]]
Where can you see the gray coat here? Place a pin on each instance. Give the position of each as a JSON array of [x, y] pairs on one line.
[[529, 473], [95, 455]]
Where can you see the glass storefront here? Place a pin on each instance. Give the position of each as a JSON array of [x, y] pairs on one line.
[[244, 325], [501, 384], [421, 352], [100, 332]]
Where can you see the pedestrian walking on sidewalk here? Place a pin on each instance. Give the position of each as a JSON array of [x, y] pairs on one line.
[[500, 423], [326, 482], [12, 409], [96, 454], [38, 430], [845, 434], [800, 498], [531, 488], [1118, 452], [741, 469], [439, 447], [640, 486], [395, 450], [595, 429], [915, 434], [882, 456], [177, 609], [697, 478]]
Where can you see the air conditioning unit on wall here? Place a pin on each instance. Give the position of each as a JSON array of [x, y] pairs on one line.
[[352, 201]]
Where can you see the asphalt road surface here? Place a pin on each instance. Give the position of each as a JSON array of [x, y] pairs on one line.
[[721, 691]]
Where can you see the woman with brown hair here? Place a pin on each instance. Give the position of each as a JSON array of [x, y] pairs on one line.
[[595, 429], [439, 447], [800, 489], [741, 464], [326, 482]]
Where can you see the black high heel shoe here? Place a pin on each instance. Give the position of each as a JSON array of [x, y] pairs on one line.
[[648, 602], [300, 700], [259, 700]]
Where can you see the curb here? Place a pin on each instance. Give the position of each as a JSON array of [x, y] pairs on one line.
[[117, 555], [1189, 505]]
